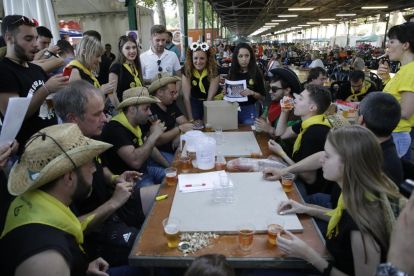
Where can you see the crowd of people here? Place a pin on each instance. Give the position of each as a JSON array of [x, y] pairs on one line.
[[88, 167]]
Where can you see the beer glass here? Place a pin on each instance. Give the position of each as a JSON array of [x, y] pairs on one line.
[[255, 153], [172, 231], [185, 164], [153, 119], [274, 226], [171, 176], [208, 127], [246, 233], [287, 181]]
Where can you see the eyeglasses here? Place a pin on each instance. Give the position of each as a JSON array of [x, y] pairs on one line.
[[26, 21], [275, 88], [159, 67]]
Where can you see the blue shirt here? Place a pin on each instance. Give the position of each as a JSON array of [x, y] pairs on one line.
[[307, 63], [174, 48]]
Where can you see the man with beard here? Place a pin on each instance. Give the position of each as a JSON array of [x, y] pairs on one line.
[[20, 78], [158, 59], [43, 42], [39, 233], [170, 46]]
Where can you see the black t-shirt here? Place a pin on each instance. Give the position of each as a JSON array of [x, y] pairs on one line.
[[84, 76], [169, 118], [255, 84], [339, 60], [340, 245], [26, 81], [313, 141], [195, 88], [344, 91], [103, 76], [116, 134], [28, 240], [392, 166], [125, 79]]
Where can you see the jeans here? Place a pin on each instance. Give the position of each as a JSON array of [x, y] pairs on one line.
[[247, 114], [402, 142], [126, 271], [169, 156], [409, 154], [323, 200], [154, 175], [197, 108]]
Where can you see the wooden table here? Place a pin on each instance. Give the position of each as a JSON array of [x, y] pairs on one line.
[[151, 250]]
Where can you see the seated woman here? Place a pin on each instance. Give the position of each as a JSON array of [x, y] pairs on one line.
[[359, 228], [200, 79]]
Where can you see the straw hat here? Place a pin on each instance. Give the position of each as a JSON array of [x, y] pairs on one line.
[[46, 156], [136, 95], [160, 80]]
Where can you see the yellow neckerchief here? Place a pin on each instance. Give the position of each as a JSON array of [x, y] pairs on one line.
[[315, 120], [86, 71], [41, 208], [122, 119], [200, 82], [136, 79], [365, 86], [335, 218]]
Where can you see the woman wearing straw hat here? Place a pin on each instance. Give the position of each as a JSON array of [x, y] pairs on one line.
[[126, 70]]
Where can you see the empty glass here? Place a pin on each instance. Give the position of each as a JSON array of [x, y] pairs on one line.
[[217, 192]]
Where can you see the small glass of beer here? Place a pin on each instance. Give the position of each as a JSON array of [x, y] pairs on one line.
[[49, 101], [153, 119], [220, 166], [172, 231], [274, 226], [185, 164], [287, 181], [246, 233], [208, 127], [255, 153], [171, 176]]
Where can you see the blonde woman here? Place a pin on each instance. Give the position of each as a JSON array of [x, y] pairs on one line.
[[359, 228]]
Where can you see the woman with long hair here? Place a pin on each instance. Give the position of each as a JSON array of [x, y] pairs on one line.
[[244, 67], [359, 228], [401, 86], [200, 79], [126, 70]]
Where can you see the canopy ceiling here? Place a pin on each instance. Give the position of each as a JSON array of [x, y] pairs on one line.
[[77, 7], [243, 17]]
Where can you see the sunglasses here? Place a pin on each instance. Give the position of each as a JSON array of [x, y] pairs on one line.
[[159, 67], [26, 21], [275, 88]]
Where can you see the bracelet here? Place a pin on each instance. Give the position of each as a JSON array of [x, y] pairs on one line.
[[111, 180], [192, 120], [280, 154], [327, 270], [48, 92]]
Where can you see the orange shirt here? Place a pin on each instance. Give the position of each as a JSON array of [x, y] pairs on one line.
[[260, 48]]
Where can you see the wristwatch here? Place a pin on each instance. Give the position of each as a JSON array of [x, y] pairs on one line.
[[388, 269], [47, 53]]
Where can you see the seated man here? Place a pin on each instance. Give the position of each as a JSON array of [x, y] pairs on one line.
[[308, 61], [130, 151], [337, 59], [356, 89], [41, 236], [117, 213], [316, 76], [310, 134], [163, 87]]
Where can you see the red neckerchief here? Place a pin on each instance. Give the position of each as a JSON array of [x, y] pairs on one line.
[[274, 111]]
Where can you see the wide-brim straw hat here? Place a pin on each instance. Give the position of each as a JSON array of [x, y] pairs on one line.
[[160, 80], [136, 95], [45, 157], [289, 76]]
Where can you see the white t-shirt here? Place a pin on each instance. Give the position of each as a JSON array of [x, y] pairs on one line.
[[169, 63], [317, 63], [360, 64]]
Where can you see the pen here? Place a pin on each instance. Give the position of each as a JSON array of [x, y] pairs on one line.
[[158, 198], [195, 185]]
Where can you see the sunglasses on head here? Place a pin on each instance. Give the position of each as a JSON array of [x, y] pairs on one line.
[[26, 21], [159, 67], [275, 88]]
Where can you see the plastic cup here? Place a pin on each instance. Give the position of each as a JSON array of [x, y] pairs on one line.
[[185, 164], [246, 234], [217, 192], [287, 181], [171, 176], [208, 127], [220, 166], [274, 226], [219, 138], [49, 101], [218, 128], [255, 153], [153, 118], [344, 113], [172, 231], [231, 193]]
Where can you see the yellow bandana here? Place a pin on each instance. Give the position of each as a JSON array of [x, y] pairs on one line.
[[335, 218], [365, 86], [86, 71], [200, 82], [39, 207], [122, 119], [136, 79], [315, 120]]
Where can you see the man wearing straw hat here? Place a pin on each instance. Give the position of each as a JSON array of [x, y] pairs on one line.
[[41, 235], [163, 87], [130, 151]]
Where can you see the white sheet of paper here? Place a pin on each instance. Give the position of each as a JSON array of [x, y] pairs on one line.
[[235, 98], [198, 178], [16, 110]]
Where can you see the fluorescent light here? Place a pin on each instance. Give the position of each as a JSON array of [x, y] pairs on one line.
[[296, 27], [314, 23], [272, 24], [279, 20], [326, 19], [346, 14], [304, 25], [288, 15], [369, 8], [301, 9]]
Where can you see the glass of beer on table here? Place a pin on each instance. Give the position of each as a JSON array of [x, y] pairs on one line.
[[185, 164], [208, 127], [153, 118], [172, 231], [171, 176], [274, 226], [255, 153], [287, 182], [246, 233]]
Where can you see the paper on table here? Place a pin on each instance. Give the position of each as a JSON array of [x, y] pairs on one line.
[[15, 113], [233, 89], [198, 178]]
